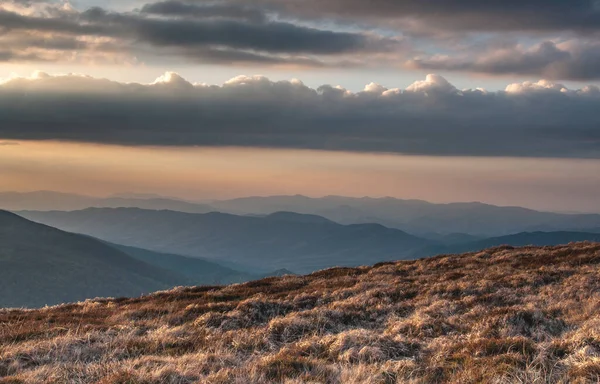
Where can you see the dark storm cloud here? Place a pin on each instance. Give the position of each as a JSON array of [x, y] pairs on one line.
[[571, 60], [476, 15], [227, 11], [275, 37], [431, 117], [14, 21], [426, 34], [225, 33]]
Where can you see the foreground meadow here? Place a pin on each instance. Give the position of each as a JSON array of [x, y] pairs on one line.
[[504, 315]]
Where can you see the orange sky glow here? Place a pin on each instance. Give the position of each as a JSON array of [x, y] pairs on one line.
[[220, 173]]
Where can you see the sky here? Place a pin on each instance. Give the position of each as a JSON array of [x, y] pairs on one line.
[[442, 100]]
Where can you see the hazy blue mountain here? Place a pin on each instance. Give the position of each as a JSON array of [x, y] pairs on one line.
[[283, 240], [417, 216], [452, 238], [297, 218], [421, 218], [49, 201], [516, 240], [198, 271], [42, 265]]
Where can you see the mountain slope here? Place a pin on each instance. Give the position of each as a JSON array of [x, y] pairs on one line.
[[526, 315], [41, 265], [262, 244], [417, 216], [198, 271]]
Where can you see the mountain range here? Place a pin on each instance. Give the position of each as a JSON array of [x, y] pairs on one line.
[[432, 221], [50, 257], [416, 216], [48, 200], [284, 240], [42, 265]]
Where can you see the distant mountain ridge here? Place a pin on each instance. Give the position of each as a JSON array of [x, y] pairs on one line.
[[49, 201], [299, 243], [283, 240], [418, 217]]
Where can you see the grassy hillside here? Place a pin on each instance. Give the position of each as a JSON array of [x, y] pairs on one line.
[[41, 265], [505, 315]]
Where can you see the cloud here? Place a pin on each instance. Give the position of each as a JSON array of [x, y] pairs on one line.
[[581, 16], [433, 35], [274, 37], [432, 83], [209, 33], [430, 117], [224, 11], [573, 60]]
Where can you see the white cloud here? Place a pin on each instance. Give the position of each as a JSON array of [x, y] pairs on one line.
[[432, 83], [540, 86], [375, 88]]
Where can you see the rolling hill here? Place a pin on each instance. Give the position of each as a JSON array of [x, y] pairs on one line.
[[284, 240], [41, 265], [506, 315]]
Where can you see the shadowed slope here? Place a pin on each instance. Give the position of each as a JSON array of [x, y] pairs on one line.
[[42, 265], [198, 271], [506, 315]]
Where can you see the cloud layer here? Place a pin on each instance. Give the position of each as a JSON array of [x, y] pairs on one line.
[[430, 117], [209, 33], [581, 16], [568, 60], [554, 39]]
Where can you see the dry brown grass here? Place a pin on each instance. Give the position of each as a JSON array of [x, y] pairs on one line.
[[506, 315]]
